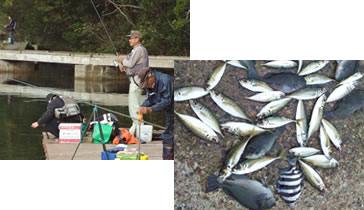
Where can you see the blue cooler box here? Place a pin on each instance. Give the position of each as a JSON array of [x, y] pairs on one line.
[[111, 153]]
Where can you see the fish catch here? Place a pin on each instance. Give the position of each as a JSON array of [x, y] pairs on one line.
[[313, 67], [198, 128], [285, 82], [284, 64], [346, 68], [321, 161], [241, 128], [249, 193], [352, 78], [316, 116], [266, 96], [273, 107], [333, 134], [312, 176], [289, 185], [341, 91], [255, 85], [228, 105], [260, 144], [301, 124], [206, 116], [215, 76], [188, 93], [325, 142], [236, 63], [307, 93], [303, 151], [317, 79], [274, 122]]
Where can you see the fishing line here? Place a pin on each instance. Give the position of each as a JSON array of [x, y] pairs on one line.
[[88, 103], [102, 22]]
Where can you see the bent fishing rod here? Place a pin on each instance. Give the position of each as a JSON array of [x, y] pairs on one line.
[[88, 103]]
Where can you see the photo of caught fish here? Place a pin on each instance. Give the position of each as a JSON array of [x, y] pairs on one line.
[[256, 117]]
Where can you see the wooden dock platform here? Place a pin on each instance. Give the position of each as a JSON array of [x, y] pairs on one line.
[[88, 151]]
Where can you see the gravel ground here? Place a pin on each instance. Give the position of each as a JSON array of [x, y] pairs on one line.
[[196, 159]]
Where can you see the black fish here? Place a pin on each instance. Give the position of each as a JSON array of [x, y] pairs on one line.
[[249, 193], [250, 65], [348, 105], [289, 185], [345, 69], [285, 82], [260, 144]]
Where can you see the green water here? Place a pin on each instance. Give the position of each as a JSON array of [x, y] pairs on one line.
[[18, 141]]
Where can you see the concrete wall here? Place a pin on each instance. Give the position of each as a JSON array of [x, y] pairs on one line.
[[91, 72], [16, 66]]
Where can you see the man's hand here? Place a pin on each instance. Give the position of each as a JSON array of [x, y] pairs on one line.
[[122, 68], [35, 125], [144, 110], [120, 59]]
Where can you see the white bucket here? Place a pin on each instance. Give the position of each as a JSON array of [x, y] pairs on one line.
[[145, 133]]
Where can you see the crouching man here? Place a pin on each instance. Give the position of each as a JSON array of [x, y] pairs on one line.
[[160, 96], [59, 110]]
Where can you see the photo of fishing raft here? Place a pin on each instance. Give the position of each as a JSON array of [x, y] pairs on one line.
[[269, 134], [89, 80]]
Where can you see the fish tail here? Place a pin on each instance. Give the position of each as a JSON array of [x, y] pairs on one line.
[[282, 154], [212, 184]]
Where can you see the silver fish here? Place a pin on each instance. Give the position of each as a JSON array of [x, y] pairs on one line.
[[352, 78], [215, 76], [321, 161], [206, 116], [228, 105], [301, 124], [187, 93], [274, 122], [251, 165], [307, 93], [333, 134], [198, 127], [341, 91], [312, 176], [236, 63], [300, 63], [303, 151], [232, 159], [285, 64], [266, 96], [255, 85], [289, 185], [273, 107], [317, 79], [316, 116], [241, 128], [325, 142], [313, 67]]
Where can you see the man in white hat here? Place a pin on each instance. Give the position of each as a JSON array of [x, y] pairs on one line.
[[136, 60]]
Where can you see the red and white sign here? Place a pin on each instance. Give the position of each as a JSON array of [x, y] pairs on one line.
[[69, 132]]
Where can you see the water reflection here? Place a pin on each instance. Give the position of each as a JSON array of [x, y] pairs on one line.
[[21, 105]]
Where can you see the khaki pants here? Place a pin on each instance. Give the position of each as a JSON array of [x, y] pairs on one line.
[[135, 100]]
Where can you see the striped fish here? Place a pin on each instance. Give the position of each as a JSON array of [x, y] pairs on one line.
[[289, 185]]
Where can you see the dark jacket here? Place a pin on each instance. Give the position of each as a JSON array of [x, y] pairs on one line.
[[49, 114], [11, 25], [161, 96]]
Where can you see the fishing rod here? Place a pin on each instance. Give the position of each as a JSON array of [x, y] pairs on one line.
[[88, 103], [102, 22]]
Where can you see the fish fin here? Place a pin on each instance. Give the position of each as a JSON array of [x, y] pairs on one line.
[[282, 154], [212, 184], [235, 176]]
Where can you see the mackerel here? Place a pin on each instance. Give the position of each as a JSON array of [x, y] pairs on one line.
[[312, 176], [307, 93], [333, 134], [266, 96], [273, 107], [255, 85], [241, 128], [228, 105], [198, 127], [341, 91], [321, 161], [206, 116], [187, 93], [285, 64], [303, 151], [313, 67], [301, 124], [316, 116], [325, 142], [317, 79], [232, 159], [274, 122], [215, 76]]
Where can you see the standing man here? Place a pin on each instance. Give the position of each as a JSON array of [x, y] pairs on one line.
[[136, 60], [12, 26], [160, 92]]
